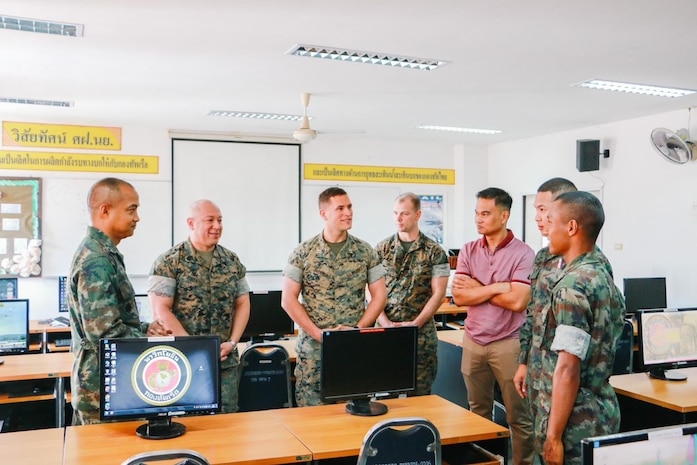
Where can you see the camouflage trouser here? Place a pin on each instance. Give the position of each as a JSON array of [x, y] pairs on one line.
[[427, 360], [229, 385], [307, 372]]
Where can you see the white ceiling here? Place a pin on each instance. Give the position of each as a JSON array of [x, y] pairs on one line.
[[166, 63]]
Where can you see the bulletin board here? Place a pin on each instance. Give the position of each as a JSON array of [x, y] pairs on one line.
[[20, 219]]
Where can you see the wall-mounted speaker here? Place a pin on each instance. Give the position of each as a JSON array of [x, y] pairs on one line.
[[588, 155]]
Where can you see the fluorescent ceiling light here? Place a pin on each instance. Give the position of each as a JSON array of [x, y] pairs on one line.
[[249, 114], [635, 88], [456, 129], [358, 56], [31, 101], [41, 26]]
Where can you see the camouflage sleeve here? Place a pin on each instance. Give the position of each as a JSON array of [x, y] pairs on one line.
[[525, 335], [375, 268], [570, 309], [242, 287], [293, 272], [162, 286], [441, 265], [572, 340], [101, 301]]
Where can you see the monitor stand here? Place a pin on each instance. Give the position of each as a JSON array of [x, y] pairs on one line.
[[667, 375], [365, 408], [157, 428]]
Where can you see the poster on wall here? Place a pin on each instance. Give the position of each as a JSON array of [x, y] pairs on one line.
[[431, 222], [20, 235]]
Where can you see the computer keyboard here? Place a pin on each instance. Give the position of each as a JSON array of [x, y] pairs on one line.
[[62, 342], [60, 321]]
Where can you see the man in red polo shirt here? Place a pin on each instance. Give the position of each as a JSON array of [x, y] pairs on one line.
[[493, 280]]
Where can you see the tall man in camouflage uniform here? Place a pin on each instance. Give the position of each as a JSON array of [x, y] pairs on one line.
[[101, 299], [574, 336], [331, 271], [417, 277], [545, 271], [198, 287], [493, 279]]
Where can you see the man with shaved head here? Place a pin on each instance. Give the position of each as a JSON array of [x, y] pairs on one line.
[[101, 299], [198, 287]]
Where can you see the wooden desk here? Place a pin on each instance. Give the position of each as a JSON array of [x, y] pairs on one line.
[[41, 446], [680, 396], [42, 336], [447, 308], [56, 366], [235, 438], [647, 402], [329, 432]]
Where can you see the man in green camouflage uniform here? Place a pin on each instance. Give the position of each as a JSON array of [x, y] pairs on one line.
[[574, 336], [198, 287], [331, 271], [417, 277], [101, 299], [546, 270]]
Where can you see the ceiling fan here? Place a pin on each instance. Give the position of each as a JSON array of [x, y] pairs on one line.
[[304, 133], [674, 146]]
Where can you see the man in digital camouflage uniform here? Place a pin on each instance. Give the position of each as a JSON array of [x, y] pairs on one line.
[[331, 271], [198, 287], [546, 270], [101, 299], [574, 337], [417, 277]]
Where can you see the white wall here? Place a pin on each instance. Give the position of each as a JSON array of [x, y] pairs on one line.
[[470, 164], [650, 204]]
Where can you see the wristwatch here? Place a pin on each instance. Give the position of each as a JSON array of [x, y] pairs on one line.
[[234, 344]]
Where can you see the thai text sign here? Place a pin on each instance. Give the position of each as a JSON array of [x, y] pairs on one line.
[[61, 136], [97, 162], [358, 173]]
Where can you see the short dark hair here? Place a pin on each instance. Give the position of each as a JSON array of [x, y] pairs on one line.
[[328, 193], [105, 190], [586, 209], [556, 186], [501, 197]]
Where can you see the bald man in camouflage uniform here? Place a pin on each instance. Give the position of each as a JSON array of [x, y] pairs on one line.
[[574, 337], [417, 277], [101, 299], [331, 271], [199, 287]]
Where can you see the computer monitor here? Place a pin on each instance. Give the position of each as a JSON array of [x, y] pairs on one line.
[[644, 293], [267, 319], [62, 293], [144, 308], [667, 340], [159, 378], [360, 364], [671, 444], [14, 326]]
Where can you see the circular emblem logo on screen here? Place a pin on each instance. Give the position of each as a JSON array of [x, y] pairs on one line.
[[161, 375]]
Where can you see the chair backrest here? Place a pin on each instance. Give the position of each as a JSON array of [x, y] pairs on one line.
[[264, 378], [624, 350], [401, 440], [189, 457]]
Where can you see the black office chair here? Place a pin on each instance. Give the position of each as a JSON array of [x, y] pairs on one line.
[[264, 378], [624, 350], [389, 442], [189, 457]]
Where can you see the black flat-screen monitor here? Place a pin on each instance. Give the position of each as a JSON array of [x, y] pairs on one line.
[[144, 308], [267, 319], [671, 444], [667, 340], [361, 364], [159, 378], [644, 293], [63, 293], [14, 326]]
